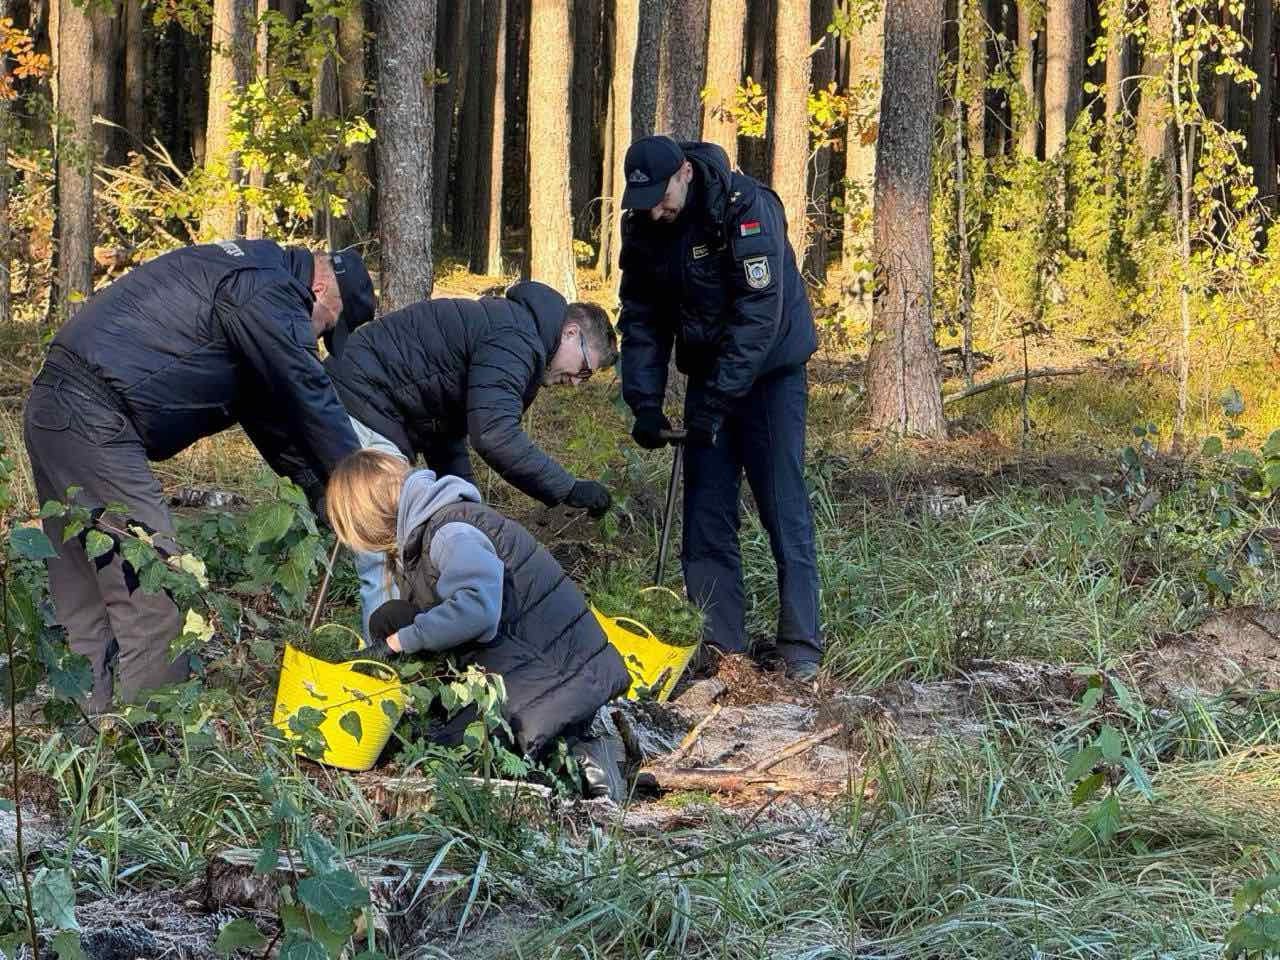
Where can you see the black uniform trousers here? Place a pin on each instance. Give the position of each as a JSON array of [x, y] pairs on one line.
[[763, 436]]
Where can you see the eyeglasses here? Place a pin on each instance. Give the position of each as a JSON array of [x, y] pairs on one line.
[[586, 371]]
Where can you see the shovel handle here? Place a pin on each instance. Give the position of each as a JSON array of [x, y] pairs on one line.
[[673, 437]]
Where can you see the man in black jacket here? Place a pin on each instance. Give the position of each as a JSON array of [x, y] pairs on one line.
[[428, 378], [180, 348], [706, 267]]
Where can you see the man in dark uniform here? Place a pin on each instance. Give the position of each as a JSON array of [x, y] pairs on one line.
[[180, 348], [433, 376], [706, 267]]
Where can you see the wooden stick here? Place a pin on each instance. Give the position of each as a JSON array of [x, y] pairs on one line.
[[1013, 378], [804, 745], [692, 736]]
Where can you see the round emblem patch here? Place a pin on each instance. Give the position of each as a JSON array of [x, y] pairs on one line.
[[757, 271]]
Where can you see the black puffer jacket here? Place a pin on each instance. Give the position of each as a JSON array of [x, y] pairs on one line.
[[721, 283], [437, 373], [197, 339], [554, 660]]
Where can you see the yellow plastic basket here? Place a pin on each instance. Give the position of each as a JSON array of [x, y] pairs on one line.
[[653, 664], [336, 689]]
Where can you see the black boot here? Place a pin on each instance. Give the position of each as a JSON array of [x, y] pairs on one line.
[[600, 761]]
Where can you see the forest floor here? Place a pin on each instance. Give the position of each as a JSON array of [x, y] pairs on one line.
[[992, 606]]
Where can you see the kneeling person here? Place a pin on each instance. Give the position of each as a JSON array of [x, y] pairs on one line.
[[477, 586]]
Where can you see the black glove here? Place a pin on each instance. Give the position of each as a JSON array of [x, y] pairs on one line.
[[390, 617], [590, 496], [378, 651], [650, 422]]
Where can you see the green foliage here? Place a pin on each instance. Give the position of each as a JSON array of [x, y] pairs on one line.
[[1257, 931]]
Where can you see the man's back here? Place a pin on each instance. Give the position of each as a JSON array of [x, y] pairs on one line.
[[175, 337]]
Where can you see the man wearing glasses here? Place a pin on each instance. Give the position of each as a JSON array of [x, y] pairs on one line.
[[431, 377], [706, 268]]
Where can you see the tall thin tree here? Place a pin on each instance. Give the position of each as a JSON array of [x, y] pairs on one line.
[[821, 13], [1030, 55], [680, 73], [644, 91], [73, 100], [352, 102], [486, 246], [789, 119], [406, 109], [1064, 71], [453, 52], [136, 32], [626, 33], [727, 21], [902, 363], [230, 70], [1155, 110], [1262, 152], [584, 104], [866, 62], [474, 107], [256, 216], [1117, 70], [551, 258]]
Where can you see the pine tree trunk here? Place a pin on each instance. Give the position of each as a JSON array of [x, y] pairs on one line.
[[75, 152], [753, 152], [474, 107], [135, 83], [583, 107], [976, 29], [1261, 145], [230, 70], [824, 74], [255, 216], [324, 104], [6, 233], [352, 80], [196, 60], [902, 364], [106, 104], [406, 107], [1117, 62], [789, 120], [726, 24], [626, 32], [515, 210], [486, 250], [551, 257], [1064, 71], [447, 95], [866, 62], [1030, 46], [684, 53], [1155, 131], [644, 102]]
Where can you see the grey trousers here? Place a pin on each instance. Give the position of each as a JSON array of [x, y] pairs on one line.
[[75, 438]]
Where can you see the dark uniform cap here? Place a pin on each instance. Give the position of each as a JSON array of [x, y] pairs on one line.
[[649, 164], [358, 302]]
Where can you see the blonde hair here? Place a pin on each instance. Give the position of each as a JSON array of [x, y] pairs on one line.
[[363, 498]]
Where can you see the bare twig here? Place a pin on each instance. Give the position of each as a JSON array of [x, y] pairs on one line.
[[1014, 378], [803, 745], [692, 736]]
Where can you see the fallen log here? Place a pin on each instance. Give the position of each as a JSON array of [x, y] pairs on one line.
[[1013, 378]]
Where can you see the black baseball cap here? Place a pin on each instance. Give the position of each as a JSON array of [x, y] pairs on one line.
[[649, 164], [358, 302]]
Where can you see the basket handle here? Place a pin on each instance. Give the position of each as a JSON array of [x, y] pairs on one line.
[[390, 671], [635, 626]]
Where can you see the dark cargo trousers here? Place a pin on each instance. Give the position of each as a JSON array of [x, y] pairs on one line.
[[75, 436], [762, 436]]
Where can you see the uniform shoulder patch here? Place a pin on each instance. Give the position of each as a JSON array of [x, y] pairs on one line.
[[231, 248], [757, 272]]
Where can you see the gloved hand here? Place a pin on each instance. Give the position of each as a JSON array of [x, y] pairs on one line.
[[590, 496], [650, 422], [390, 617], [378, 650]]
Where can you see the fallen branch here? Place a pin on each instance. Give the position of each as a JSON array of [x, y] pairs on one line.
[[692, 736], [803, 745], [1013, 378], [746, 779]]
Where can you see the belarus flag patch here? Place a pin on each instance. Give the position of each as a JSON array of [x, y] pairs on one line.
[[749, 229]]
